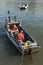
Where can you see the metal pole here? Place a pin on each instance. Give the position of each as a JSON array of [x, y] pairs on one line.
[[9, 16]]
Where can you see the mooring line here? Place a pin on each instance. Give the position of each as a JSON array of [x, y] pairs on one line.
[[22, 57]]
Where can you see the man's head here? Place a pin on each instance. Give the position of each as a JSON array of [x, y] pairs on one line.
[[21, 31]]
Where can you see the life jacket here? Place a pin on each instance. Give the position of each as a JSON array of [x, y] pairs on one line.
[[20, 36]]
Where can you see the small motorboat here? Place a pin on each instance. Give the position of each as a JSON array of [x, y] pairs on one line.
[[29, 44], [23, 6]]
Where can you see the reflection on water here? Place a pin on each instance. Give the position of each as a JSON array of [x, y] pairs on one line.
[[32, 22]]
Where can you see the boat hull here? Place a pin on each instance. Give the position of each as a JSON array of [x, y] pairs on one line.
[[26, 49], [23, 8]]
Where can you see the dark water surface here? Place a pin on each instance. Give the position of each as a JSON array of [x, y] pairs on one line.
[[32, 22]]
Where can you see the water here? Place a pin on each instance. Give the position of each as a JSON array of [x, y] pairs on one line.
[[32, 22]]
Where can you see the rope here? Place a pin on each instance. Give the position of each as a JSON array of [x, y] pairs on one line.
[[22, 57]]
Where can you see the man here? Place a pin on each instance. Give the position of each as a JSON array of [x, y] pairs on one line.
[[14, 29], [20, 36]]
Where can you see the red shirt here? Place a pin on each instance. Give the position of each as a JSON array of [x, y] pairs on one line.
[[14, 28], [20, 36]]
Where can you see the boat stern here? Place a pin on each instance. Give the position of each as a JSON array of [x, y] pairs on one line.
[[32, 48]]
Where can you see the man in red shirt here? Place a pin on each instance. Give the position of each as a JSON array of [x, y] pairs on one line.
[[14, 29], [20, 36]]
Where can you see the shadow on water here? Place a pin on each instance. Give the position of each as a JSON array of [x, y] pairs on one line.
[[31, 59], [11, 48], [12, 51]]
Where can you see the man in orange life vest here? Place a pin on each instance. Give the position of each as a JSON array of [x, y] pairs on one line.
[[20, 36]]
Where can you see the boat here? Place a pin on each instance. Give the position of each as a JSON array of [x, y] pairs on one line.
[[23, 6], [29, 44]]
